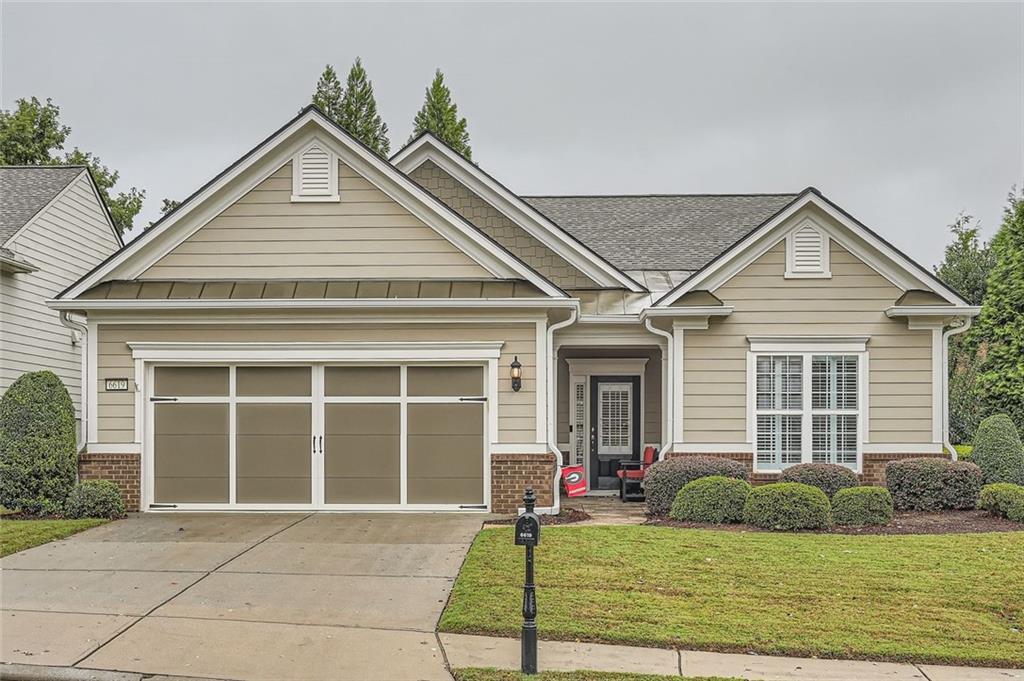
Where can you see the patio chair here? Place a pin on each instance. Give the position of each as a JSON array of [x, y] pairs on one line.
[[631, 476]]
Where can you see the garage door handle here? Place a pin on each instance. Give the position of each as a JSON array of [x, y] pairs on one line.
[[472, 399], [321, 444]]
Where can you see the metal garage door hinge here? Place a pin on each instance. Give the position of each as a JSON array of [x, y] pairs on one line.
[[480, 506], [163, 399], [472, 399]]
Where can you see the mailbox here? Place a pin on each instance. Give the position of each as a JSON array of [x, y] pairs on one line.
[[528, 529]]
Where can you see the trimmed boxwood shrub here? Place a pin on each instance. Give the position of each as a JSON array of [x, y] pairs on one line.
[[788, 506], [828, 477], [859, 506], [1001, 499], [664, 479], [932, 484], [37, 444], [715, 499], [94, 499], [998, 451]]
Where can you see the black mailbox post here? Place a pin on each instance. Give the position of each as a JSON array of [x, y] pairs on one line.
[[528, 535]]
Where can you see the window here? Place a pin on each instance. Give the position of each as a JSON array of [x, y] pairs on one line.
[[315, 174], [807, 408], [807, 252]]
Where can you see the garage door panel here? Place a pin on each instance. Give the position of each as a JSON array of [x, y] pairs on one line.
[[270, 455], [191, 452], [362, 490], [190, 419], [191, 490], [274, 381], [445, 491], [185, 455], [446, 419], [445, 453], [361, 419], [445, 381], [191, 381], [439, 455], [362, 381], [273, 453], [275, 490], [362, 453], [274, 419]]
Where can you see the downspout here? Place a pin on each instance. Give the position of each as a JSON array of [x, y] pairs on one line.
[[966, 324], [670, 381], [556, 501], [81, 332]]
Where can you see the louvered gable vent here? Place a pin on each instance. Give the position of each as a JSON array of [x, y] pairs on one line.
[[807, 252], [315, 175]]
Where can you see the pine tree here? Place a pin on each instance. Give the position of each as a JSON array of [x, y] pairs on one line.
[[328, 94], [440, 116], [1000, 328], [358, 111]]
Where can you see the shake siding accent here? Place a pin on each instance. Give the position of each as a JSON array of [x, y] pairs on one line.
[[496, 225], [365, 235], [516, 411], [64, 241], [852, 303]]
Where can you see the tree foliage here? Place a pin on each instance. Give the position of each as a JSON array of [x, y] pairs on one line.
[[440, 115], [359, 111], [967, 262], [328, 94], [166, 206], [32, 134], [1000, 328]]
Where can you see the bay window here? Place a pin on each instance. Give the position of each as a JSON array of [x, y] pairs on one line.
[[806, 407]]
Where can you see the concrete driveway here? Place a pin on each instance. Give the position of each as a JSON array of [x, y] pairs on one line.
[[240, 596]]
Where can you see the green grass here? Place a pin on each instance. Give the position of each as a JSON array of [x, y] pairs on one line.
[[956, 599], [479, 674], [18, 535]]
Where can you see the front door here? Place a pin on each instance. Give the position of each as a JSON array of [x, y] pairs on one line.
[[614, 426]]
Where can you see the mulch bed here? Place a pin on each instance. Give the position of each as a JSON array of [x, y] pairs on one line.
[[567, 516], [905, 522]]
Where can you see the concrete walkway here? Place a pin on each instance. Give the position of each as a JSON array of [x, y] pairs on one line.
[[240, 596], [503, 653]]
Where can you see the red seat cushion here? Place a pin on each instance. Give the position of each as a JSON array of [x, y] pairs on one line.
[[634, 474]]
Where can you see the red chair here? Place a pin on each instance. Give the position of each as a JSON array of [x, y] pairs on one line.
[[631, 476]]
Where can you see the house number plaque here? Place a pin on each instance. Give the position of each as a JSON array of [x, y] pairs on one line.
[[116, 385]]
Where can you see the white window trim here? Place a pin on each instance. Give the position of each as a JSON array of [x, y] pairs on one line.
[[826, 247], [332, 163], [807, 348]]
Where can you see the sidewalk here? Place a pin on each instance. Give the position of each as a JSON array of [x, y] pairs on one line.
[[484, 651]]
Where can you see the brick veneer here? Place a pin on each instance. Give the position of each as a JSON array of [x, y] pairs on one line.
[[122, 469], [511, 473], [873, 473]]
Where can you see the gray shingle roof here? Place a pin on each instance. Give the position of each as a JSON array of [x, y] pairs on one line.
[[24, 190], [660, 232]]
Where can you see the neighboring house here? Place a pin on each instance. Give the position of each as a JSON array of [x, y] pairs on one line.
[[319, 328], [54, 227]]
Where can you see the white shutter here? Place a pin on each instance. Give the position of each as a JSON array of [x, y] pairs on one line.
[[315, 172], [579, 423]]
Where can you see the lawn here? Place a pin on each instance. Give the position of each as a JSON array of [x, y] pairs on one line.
[[504, 675], [955, 598], [18, 535]]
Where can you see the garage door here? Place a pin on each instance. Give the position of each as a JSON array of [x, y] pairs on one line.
[[318, 436]]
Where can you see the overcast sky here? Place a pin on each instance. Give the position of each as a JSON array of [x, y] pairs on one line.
[[905, 115]]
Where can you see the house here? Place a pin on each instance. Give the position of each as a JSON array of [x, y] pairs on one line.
[[320, 328], [54, 227]]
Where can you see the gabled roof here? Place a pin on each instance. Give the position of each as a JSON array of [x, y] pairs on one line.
[[26, 190], [875, 251], [198, 208], [668, 232], [585, 257]]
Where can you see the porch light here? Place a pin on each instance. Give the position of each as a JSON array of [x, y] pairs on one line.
[[516, 372]]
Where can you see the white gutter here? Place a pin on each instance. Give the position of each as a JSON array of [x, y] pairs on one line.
[[556, 502], [670, 381], [688, 311], [302, 303], [945, 383], [932, 310], [82, 333]]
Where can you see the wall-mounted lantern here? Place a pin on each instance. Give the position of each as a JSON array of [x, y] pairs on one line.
[[516, 373]]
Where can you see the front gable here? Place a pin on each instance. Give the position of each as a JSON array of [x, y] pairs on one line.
[[252, 221]]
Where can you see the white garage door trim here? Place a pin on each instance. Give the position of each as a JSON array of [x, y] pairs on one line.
[[148, 354]]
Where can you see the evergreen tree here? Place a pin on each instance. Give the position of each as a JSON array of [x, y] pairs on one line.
[[440, 116], [967, 262], [328, 94], [359, 111], [1000, 328], [32, 134]]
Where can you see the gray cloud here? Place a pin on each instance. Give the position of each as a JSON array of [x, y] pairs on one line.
[[905, 114]]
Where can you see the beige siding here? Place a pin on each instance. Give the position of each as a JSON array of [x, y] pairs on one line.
[[365, 235], [496, 225], [852, 302], [64, 241], [651, 415], [516, 412]]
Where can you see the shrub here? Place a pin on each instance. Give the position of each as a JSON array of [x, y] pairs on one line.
[[37, 444], [788, 506], [964, 452], [94, 499], [859, 506], [932, 484], [665, 478], [828, 477], [1000, 498], [998, 451], [714, 499]]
